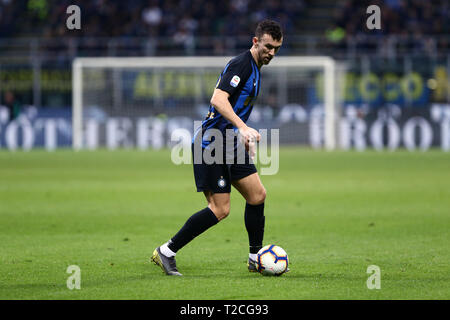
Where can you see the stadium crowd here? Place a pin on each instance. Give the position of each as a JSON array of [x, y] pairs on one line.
[[184, 21], [168, 18], [397, 16], [411, 22], [106, 18]]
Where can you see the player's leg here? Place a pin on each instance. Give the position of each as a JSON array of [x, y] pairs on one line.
[[251, 188], [218, 208], [219, 203], [214, 180], [253, 191]]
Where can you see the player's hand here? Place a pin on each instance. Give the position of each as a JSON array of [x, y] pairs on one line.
[[249, 137], [249, 134], [251, 149]]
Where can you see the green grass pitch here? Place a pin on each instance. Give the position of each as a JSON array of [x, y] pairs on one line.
[[335, 213]]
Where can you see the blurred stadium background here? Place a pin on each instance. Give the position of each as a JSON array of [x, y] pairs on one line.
[[335, 213], [393, 87]]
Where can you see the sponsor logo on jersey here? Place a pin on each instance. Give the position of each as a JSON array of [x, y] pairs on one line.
[[235, 81]]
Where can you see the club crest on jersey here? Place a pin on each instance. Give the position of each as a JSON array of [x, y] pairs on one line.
[[221, 182], [235, 81]]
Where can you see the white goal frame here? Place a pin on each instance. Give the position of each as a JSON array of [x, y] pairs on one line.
[[327, 63]]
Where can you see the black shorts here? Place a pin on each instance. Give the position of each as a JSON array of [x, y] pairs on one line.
[[217, 178]]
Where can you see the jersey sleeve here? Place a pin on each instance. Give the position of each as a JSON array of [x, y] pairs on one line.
[[234, 76]]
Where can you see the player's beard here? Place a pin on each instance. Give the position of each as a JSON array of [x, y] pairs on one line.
[[267, 60], [263, 58]]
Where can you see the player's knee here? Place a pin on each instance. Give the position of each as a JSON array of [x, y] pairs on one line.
[[258, 197], [221, 212], [263, 195]]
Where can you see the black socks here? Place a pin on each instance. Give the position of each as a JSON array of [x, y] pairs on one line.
[[204, 219], [254, 223], [194, 226]]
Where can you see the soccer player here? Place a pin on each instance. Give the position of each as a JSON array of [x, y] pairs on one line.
[[231, 104]]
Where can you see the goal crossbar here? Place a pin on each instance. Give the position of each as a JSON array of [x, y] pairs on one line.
[[327, 63]]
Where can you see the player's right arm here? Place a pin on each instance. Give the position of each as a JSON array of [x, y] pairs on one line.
[[220, 102]]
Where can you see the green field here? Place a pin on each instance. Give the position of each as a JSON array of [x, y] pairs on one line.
[[334, 213]]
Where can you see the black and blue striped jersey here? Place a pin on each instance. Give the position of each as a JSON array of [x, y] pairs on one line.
[[241, 79]]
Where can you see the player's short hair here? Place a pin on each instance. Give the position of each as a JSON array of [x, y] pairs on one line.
[[269, 27]]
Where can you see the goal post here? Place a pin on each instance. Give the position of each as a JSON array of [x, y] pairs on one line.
[[143, 87]]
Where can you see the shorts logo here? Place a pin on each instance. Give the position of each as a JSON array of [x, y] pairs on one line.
[[221, 183], [235, 81]]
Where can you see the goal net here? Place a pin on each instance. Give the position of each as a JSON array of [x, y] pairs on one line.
[[138, 102]]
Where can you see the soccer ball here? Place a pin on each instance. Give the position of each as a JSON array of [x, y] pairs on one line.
[[272, 260]]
